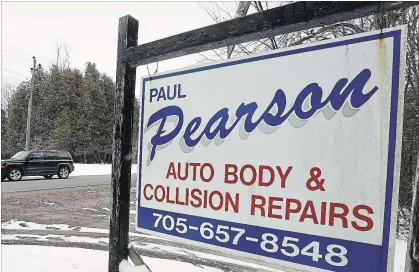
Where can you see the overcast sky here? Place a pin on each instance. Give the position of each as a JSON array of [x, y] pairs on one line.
[[89, 30]]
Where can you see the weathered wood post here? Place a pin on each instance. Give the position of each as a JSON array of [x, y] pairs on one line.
[[412, 254], [122, 145]]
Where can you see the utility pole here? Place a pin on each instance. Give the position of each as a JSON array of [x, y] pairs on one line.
[[412, 254], [28, 123], [242, 10]]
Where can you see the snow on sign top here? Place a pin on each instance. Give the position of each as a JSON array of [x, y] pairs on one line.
[[288, 159]]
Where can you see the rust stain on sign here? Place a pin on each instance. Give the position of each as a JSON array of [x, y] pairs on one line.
[[381, 58], [382, 68]]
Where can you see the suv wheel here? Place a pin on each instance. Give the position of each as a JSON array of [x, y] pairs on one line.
[[14, 174], [63, 172], [48, 176]]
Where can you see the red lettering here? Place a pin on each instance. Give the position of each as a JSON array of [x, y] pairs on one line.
[[145, 190], [211, 200], [253, 178], [171, 171], [168, 200], [196, 197], [309, 212], [187, 197], [185, 176], [271, 179], [229, 173], [177, 196], [289, 210], [233, 204], [259, 206], [323, 214], [205, 198], [163, 193], [271, 206], [342, 215], [282, 175], [211, 172], [364, 218], [194, 165]]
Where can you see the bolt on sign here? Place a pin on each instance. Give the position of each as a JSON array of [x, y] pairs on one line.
[[288, 159]]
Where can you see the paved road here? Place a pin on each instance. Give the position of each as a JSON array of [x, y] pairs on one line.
[[29, 184]]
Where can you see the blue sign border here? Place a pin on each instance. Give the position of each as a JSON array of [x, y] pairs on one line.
[[396, 35]]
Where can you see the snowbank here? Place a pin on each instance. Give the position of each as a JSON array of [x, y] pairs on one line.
[[53, 259], [400, 256], [96, 169], [125, 266]]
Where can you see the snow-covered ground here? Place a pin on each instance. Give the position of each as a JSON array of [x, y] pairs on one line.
[[96, 169], [74, 235], [23, 225], [53, 259]]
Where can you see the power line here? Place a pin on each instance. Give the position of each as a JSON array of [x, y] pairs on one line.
[[19, 51], [16, 49], [6, 81], [11, 76], [13, 72], [12, 60], [10, 79], [13, 54]]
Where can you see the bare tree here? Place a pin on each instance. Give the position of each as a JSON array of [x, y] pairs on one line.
[[221, 11], [224, 11], [63, 56], [6, 95]]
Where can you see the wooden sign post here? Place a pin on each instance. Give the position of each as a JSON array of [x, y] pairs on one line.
[[122, 145]]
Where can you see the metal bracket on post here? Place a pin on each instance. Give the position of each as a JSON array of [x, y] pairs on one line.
[[122, 145], [135, 257]]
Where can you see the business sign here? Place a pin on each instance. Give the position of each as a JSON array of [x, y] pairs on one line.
[[289, 158]]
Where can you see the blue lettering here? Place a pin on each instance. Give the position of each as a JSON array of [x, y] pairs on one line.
[[162, 115], [315, 93], [190, 129], [357, 85], [280, 100], [306, 105], [168, 93], [162, 94], [153, 93], [179, 91]]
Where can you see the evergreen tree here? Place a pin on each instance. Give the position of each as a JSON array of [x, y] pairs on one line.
[[71, 111]]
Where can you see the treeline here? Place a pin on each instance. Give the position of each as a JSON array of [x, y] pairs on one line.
[[72, 110]]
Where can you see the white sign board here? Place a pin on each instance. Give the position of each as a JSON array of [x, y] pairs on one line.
[[288, 158]]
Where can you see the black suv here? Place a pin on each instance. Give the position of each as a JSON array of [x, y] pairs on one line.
[[37, 163]]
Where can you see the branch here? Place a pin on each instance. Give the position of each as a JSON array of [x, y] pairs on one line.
[[355, 28], [203, 55], [215, 51], [247, 52]]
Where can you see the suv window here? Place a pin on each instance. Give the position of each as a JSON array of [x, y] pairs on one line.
[[64, 156], [50, 155], [36, 156]]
